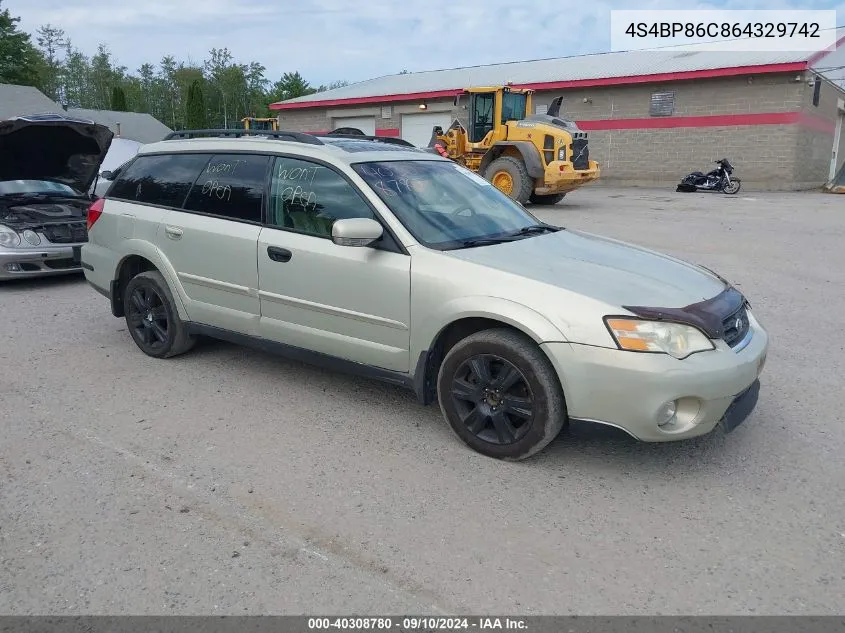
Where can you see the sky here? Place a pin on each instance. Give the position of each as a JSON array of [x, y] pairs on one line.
[[351, 40]]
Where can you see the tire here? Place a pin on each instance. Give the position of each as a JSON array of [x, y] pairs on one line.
[[549, 199], [522, 185], [147, 297], [734, 187], [504, 432]]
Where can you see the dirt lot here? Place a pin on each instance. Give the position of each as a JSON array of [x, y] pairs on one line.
[[228, 481]]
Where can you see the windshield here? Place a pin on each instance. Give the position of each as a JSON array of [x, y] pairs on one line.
[[13, 187], [442, 204], [513, 107]]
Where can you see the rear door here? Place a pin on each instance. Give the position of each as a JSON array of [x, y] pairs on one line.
[[211, 241], [348, 302]]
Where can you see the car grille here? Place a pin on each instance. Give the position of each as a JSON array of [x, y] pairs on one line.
[[61, 264], [580, 153], [736, 326], [66, 233]]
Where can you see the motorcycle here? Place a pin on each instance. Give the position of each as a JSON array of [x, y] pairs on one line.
[[717, 180]]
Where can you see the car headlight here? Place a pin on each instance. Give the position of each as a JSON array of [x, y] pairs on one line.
[[9, 237], [675, 339]]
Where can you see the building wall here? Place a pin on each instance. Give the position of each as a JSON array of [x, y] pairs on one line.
[[814, 149], [634, 152], [765, 124]]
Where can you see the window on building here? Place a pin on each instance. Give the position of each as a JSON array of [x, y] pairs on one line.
[[231, 186], [662, 104], [163, 180], [308, 197]]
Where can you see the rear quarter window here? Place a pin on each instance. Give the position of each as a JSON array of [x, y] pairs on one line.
[[163, 180]]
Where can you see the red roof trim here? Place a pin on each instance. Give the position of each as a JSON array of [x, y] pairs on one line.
[[662, 77], [411, 96], [553, 85], [389, 131]]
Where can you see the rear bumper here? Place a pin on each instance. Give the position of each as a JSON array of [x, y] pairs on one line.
[[16, 263]]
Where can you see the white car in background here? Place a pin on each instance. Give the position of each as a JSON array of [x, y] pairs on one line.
[[122, 150]]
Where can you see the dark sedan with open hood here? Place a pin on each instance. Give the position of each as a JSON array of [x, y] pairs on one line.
[[47, 166]]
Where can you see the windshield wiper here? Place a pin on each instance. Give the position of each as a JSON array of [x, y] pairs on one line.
[[481, 241], [509, 237], [535, 228]]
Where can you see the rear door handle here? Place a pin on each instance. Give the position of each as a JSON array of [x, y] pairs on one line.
[[173, 232], [279, 254]]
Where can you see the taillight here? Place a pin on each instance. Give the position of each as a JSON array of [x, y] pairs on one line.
[[95, 211]]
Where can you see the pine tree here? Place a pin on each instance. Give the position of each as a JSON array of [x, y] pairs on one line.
[[118, 99], [195, 115], [20, 62]]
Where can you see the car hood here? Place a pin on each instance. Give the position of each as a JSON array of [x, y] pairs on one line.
[[53, 147], [604, 269]]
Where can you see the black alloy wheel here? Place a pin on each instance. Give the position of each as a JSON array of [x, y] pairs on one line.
[[152, 318], [147, 316], [493, 399], [500, 394]]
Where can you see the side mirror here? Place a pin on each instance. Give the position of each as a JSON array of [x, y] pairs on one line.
[[356, 231], [107, 175]]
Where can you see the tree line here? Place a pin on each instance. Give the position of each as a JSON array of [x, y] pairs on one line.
[[217, 92]]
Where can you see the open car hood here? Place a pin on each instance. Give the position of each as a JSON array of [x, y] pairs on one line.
[[53, 147]]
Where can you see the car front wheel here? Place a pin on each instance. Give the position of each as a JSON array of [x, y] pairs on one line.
[[501, 395], [152, 319]]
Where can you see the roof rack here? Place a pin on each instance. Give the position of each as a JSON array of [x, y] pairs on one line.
[[380, 139], [281, 135]]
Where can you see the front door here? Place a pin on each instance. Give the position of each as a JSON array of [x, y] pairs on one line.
[[348, 302]]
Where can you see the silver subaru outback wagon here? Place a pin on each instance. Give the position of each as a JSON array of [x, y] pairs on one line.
[[389, 261]]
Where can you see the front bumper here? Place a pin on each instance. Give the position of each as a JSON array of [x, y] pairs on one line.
[[50, 259], [626, 389], [563, 178]]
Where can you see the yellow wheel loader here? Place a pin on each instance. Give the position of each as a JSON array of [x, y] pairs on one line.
[[536, 158], [255, 123]]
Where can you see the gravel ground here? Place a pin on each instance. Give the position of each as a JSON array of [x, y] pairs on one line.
[[228, 481]]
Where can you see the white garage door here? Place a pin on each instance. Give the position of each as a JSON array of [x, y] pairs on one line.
[[366, 124], [416, 128]]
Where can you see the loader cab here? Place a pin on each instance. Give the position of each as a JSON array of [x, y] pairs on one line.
[[255, 123], [491, 108]]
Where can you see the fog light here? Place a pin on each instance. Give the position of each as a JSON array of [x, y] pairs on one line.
[[13, 268], [666, 413]]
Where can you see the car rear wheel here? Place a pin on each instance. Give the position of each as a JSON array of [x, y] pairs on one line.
[[501, 395], [152, 319]]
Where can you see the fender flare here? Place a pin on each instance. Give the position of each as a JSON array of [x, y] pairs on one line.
[[142, 248], [530, 156], [426, 345]]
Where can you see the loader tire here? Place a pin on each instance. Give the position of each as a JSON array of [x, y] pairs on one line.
[[509, 175], [553, 198]]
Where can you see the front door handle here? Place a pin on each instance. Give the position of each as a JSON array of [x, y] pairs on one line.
[[173, 232], [279, 254]]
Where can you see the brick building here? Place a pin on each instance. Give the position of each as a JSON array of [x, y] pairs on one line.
[[652, 116]]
